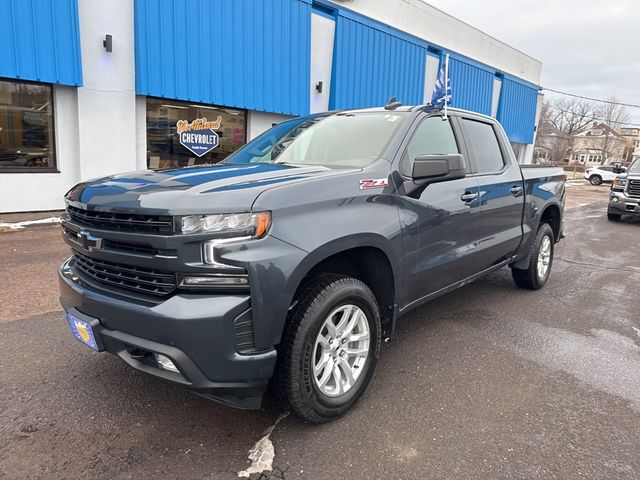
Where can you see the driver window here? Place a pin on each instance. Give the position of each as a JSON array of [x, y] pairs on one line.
[[434, 136]]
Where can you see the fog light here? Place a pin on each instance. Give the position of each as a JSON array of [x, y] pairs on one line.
[[615, 199], [221, 280], [164, 363]]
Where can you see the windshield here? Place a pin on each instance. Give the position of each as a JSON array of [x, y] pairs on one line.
[[338, 140], [635, 166]]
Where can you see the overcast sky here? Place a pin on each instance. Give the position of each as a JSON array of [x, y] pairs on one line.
[[587, 47]]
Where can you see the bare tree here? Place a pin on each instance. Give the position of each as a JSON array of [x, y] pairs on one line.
[[612, 114], [560, 120], [570, 116]]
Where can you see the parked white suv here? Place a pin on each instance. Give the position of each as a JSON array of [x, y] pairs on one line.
[[603, 174]]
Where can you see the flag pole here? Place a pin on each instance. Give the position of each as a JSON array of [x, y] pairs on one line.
[[446, 83]]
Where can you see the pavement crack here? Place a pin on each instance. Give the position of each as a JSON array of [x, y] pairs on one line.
[[263, 452], [595, 265]]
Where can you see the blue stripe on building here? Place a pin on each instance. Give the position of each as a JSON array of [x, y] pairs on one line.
[[251, 54], [40, 41], [372, 63], [517, 110], [472, 85]]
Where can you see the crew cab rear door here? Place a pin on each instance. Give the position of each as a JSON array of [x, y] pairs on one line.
[[501, 190]]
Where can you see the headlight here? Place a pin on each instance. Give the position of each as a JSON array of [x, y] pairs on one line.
[[619, 184], [253, 225]]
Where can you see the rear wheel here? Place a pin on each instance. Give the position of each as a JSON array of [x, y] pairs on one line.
[[537, 274], [329, 348], [595, 179], [614, 217]]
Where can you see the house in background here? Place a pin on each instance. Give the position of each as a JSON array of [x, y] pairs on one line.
[[597, 145]]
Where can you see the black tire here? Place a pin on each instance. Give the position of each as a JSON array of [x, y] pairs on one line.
[[595, 180], [294, 382], [614, 217], [529, 278]]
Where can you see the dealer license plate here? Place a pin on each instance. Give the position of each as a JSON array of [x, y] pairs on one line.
[[83, 331]]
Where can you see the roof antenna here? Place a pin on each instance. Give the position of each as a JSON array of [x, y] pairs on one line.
[[392, 104]]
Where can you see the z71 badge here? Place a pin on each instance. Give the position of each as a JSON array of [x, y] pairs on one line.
[[373, 183]]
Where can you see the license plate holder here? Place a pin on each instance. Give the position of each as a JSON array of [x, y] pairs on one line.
[[84, 329]]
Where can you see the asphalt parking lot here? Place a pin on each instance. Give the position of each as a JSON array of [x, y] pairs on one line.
[[486, 382]]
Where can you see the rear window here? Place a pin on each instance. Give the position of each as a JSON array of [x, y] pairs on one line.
[[484, 146]]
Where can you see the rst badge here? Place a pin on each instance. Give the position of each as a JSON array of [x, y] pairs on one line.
[[199, 136], [373, 183]]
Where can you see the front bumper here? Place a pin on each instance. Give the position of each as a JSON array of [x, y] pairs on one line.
[[195, 331], [621, 204]]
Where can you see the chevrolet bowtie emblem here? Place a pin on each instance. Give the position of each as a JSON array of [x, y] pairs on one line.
[[89, 242]]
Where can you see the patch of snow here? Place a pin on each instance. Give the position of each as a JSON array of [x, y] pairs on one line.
[[28, 223], [262, 453]]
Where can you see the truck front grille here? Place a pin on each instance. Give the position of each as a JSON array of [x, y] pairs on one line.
[[633, 190], [162, 224], [127, 277]]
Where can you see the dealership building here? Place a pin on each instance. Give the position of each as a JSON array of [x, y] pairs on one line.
[[92, 88]]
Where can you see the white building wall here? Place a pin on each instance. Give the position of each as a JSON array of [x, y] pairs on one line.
[[528, 155], [322, 35], [141, 133], [430, 76], [433, 25], [106, 102], [259, 122]]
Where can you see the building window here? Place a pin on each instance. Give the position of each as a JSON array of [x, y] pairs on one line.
[[164, 146], [26, 127]]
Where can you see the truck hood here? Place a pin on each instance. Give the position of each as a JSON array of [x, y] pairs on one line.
[[210, 189]]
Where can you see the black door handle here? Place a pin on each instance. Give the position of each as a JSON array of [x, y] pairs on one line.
[[469, 196], [516, 190]]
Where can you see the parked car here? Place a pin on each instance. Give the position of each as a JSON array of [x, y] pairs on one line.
[[625, 193], [290, 262], [603, 173]]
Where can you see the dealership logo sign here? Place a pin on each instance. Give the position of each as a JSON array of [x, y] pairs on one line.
[[199, 136]]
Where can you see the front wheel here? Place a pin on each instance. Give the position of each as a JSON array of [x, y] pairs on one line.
[[595, 179], [614, 217], [329, 348], [537, 274]]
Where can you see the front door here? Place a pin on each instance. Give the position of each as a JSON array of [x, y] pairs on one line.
[[442, 222]]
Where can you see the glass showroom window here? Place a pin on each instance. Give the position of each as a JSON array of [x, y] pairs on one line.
[[164, 146], [26, 127]]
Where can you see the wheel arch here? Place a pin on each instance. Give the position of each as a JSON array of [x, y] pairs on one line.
[[369, 258], [551, 214]]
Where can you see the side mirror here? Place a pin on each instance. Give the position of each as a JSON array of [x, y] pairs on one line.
[[429, 169]]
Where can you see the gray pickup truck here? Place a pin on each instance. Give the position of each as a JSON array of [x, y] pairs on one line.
[[288, 263], [625, 193]]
